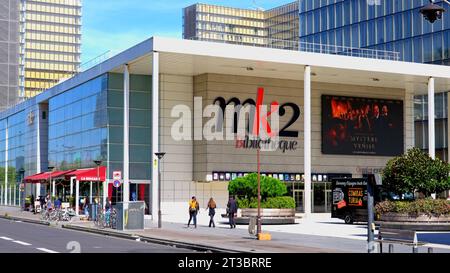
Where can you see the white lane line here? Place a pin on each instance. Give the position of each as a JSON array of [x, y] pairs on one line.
[[22, 243], [46, 250], [6, 238]]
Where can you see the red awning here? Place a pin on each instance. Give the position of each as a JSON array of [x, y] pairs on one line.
[[45, 177], [88, 175]]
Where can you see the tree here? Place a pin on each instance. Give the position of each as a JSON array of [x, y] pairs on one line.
[[416, 171]]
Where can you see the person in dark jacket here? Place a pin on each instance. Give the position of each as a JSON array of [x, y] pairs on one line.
[[232, 209], [212, 211]]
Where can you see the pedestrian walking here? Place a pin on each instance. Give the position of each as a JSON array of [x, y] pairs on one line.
[[212, 211], [193, 210], [232, 209]]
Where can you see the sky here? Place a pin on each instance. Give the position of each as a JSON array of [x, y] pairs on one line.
[[115, 25]]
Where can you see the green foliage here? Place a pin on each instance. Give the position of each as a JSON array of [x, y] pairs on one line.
[[416, 171], [247, 187], [280, 202], [72, 201], [428, 207]]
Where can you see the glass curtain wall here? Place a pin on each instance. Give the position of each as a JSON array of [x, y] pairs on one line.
[[78, 126], [139, 137]]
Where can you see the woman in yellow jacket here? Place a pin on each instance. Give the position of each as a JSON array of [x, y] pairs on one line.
[[193, 210]]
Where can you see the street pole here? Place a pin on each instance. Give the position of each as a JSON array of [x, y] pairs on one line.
[[160, 156], [370, 222], [159, 195], [258, 230]]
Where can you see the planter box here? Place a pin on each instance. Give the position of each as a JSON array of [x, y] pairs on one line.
[[268, 213], [401, 217]]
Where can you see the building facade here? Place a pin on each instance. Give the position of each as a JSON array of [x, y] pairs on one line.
[[386, 25], [107, 113], [9, 52], [51, 43], [242, 26]]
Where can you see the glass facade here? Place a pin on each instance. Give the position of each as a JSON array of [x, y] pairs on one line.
[[140, 125], [77, 133], [51, 39], [12, 156], [391, 26], [80, 125], [241, 26], [441, 123]]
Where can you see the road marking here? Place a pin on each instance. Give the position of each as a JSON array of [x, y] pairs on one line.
[[22, 243], [46, 250], [6, 238]]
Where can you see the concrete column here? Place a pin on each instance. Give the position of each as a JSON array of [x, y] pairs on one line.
[[105, 192], [38, 150], [90, 192], [15, 195], [155, 135], [307, 140], [71, 185], [77, 196], [5, 196], [53, 188], [431, 116], [126, 131]]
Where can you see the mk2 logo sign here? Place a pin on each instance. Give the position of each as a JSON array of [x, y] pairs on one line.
[[256, 111], [250, 122]]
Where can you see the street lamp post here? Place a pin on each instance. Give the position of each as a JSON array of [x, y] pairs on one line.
[[21, 195], [50, 169], [160, 156], [98, 163]]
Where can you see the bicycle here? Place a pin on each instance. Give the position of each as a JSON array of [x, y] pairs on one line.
[[113, 219], [99, 221]]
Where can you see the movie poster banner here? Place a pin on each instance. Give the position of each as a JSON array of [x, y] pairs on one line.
[[362, 126]]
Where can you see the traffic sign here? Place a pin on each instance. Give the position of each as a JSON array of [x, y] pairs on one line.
[[117, 175], [117, 183]]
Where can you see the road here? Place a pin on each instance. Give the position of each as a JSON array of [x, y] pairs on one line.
[[19, 237]]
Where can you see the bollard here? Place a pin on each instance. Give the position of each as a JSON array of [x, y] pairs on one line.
[[391, 248]]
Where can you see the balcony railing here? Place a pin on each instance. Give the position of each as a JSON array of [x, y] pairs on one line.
[[301, 46]]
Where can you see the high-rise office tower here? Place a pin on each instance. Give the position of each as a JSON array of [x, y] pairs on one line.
[[254, 27], [9, 52], [389, 25], [392, 25], [51, 43]]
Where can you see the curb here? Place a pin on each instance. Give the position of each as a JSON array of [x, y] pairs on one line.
[[25, 220], [196, 247]]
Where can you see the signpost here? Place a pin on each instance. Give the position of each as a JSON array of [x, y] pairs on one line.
[[117, 177]]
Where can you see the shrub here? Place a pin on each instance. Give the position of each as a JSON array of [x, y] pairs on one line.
[[416, 171], [280, 202], [247, 187], [428, 207]]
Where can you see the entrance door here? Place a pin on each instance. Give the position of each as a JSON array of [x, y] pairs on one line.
[[299, 199], [328, 200]]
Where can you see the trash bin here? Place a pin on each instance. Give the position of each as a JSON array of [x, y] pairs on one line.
[[130, 215]]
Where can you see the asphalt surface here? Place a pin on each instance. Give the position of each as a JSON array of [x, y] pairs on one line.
[[19, 237]]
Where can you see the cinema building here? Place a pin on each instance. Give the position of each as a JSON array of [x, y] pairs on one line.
[[340, 115]]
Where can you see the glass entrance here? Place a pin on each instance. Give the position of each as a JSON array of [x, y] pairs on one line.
[[299, 200]]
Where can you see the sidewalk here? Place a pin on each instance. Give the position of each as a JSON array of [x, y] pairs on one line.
[[319, 234], [284, 238]]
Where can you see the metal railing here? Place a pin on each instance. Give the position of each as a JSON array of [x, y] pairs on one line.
[[301, 46], [95, 61]]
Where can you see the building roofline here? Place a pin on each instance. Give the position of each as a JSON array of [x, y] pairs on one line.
[[230, 51]]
